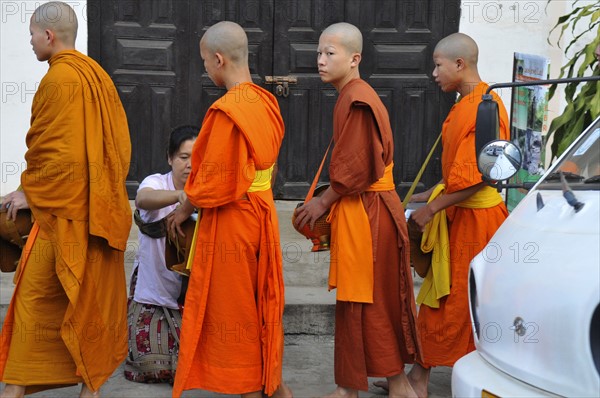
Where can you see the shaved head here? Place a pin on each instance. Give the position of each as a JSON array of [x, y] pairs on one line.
[[58, 17], [349, 35], [458, 45], [228, 39]]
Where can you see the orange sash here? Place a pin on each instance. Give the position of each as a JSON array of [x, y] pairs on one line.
[[351, 264]]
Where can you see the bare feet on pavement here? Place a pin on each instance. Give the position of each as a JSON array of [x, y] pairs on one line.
[[13, 391], [418, 378], [341, 392], [87, 393], [283, 392], [383, 384], [399, 386]]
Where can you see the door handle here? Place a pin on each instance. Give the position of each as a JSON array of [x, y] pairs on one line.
[[283, 84]]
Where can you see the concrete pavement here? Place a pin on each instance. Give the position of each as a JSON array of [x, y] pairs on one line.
[[308, 320]]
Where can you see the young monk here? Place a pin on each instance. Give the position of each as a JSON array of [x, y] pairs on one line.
[[232, 333], [67, 320], [375, 326], [474, 211]]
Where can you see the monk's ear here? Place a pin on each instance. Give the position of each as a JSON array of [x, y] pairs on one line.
[[356, 58], [460, 64], [220, 59], [50, 36]]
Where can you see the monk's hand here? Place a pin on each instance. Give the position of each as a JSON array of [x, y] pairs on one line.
[[310, 212], [13, 202], [422, 216]]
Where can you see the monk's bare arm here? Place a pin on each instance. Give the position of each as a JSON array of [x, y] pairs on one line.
[[424, 214], [424, 196], [154, 199]]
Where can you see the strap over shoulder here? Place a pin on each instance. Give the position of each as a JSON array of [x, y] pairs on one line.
[[155, 229]]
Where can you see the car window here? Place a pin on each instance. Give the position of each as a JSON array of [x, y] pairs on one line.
[[581, 164]]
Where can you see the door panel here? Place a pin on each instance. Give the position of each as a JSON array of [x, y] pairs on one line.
[[150, 49], [141, 45], [256, 17], [399, 37]]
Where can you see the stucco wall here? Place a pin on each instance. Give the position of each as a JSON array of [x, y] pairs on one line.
[[499, 27], [504, 27], [20, 74]]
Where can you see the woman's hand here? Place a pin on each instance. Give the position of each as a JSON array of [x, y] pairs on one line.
[[181, 197], [13, 202], [177, 217]]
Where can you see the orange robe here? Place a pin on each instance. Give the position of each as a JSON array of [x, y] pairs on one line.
[[77, 161], [232, 332], [445, 332], [372, 339]]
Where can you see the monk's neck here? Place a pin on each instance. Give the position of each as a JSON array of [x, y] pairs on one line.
[[237, 78], [467, 86], [340, 84], [59, 48]]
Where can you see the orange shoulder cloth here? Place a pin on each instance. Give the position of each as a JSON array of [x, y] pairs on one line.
[[79, 149]]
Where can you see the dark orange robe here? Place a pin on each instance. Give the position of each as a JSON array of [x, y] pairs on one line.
[[372, 339], [232, 332], [77, 161], [445, 332]]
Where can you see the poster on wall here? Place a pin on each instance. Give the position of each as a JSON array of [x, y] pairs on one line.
[[529, 121]]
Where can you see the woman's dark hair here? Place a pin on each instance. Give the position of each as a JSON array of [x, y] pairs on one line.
[[179, 135]]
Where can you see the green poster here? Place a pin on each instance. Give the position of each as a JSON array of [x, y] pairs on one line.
[[529, 121]]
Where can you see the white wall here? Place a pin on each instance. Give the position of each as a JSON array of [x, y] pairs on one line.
[[502, 28], [499, 27], [20, 74]]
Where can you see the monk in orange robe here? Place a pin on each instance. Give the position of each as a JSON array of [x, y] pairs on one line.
[[474, 210], [232, 332], [375, 323], [66, 323]]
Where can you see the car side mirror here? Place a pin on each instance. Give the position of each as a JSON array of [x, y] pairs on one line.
[[499, 160], [487, 124]]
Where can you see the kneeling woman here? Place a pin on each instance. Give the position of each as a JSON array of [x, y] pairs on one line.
[[154, 313]]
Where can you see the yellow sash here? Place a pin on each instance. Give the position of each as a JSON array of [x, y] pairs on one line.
[[351, 263], [261, 182], [435, 238], [485, 198]]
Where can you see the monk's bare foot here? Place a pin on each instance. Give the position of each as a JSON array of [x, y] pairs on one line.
[[383, 384], [87, 393], [400, 387], [13, 391], [341, 392], [418, 377], [283, 392]]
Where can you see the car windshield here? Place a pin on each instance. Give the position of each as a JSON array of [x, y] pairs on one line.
[[581, 164]]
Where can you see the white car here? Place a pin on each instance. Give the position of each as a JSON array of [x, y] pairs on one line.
[[535, 289]]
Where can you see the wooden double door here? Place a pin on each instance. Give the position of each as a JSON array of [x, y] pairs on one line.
[[150, 49]]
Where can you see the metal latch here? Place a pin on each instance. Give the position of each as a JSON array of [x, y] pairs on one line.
[[283, 84]]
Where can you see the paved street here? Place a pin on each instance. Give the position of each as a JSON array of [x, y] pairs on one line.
[[308, 319]]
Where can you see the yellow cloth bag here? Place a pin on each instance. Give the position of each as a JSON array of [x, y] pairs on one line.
[[435, 239]]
